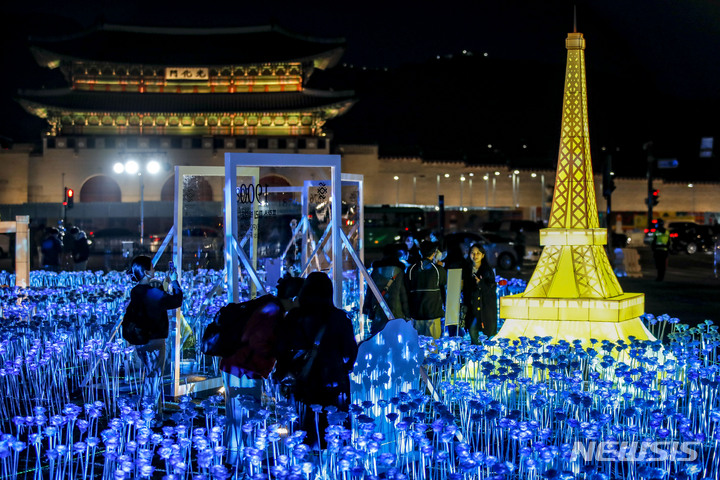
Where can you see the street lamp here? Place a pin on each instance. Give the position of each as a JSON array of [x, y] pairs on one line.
[[516, 187], [486, 177], [132, 167], [397, 190]]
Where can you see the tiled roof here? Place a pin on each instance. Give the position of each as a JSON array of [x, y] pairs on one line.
[[88, 101], [188, 46]]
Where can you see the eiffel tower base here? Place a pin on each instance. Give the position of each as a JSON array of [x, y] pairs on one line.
[[612, 319]]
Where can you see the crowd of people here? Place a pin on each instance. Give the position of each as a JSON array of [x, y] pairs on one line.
[[60, 250], [303, 347], [300, 326], [412, 279]]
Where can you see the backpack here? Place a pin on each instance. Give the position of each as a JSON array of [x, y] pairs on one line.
[[132, 325], [223, 336]]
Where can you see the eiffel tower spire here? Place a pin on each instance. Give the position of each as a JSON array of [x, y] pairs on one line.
[[573, 292]]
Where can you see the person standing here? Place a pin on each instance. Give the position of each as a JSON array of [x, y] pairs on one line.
[[413, 248], [51, 249], [480, 296], [660, 245], [427, 283], [80, 249], [152, 303], [388, 273], [320, 327], [245, 371]]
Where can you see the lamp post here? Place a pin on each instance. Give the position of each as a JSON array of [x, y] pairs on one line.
[[131, 167], [516, 188], [470, 188], [397, 190], [486, 177], [494, 188]]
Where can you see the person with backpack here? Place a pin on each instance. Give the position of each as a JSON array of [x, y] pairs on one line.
[[323, 338], [148, 308], [427, 283], [388, 273]]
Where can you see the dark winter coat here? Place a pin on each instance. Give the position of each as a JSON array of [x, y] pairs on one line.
[[80, 249], [154, 303], [427, 283], [480, 296]]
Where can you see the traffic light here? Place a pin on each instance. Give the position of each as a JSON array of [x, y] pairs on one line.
[[69, 197], [654, 198]]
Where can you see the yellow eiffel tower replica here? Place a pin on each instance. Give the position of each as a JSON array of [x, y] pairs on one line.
[[573, 292]]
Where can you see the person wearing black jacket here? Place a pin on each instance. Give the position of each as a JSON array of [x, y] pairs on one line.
[[318, 322], [480, 295], [80, 249], [388, 274], [427, 283], [153, 302]]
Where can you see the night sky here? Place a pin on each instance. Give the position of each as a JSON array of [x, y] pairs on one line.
[[653, 69]]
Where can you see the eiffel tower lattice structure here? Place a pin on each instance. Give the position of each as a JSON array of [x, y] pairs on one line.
[[573, 292]]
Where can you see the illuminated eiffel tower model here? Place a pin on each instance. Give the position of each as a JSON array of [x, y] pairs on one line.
[[573, 292]]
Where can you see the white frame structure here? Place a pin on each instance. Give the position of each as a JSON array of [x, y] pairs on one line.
[[248, 165], [257, 160]]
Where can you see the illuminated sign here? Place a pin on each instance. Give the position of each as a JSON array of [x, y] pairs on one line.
[[186, 73]]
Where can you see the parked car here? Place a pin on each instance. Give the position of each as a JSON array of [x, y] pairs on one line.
[[502, 253], [689, 237], [110, 240], [201, 245], [525, 234]]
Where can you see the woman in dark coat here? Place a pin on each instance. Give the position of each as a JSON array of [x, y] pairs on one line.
[[317, 320], [480, 295], [149, 298]]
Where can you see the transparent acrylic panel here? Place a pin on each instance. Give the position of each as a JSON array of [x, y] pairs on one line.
[[200, 240], [317, 251], [353, 281], [201, 227]]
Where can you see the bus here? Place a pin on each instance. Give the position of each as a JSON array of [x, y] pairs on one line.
[[385, 224]]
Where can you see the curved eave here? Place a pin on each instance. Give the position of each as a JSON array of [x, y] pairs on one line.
[[68, 102], [123, 46]]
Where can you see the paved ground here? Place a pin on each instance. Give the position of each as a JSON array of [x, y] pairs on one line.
[[690, 291]]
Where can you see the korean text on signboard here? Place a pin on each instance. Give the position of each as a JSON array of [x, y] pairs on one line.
[[186, 73]]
